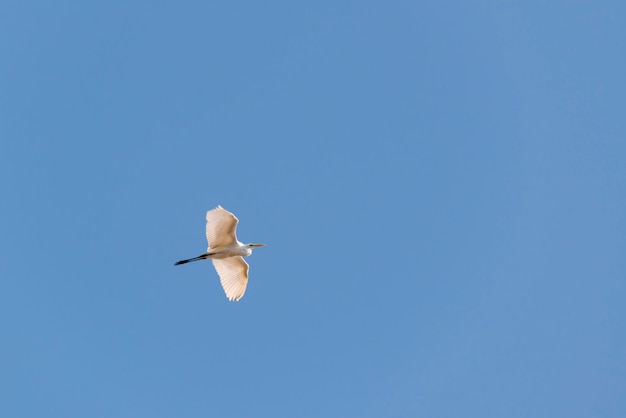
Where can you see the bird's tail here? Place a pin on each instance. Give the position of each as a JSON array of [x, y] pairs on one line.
[[200, 257]]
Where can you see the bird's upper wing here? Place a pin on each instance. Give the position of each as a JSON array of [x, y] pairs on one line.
[[220, 227], [233, 272]]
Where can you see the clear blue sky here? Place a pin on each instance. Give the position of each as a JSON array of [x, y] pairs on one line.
[[441, 185]]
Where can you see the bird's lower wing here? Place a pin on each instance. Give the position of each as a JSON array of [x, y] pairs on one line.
[[233, 272]]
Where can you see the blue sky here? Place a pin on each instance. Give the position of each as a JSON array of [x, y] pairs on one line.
[[441, 187]]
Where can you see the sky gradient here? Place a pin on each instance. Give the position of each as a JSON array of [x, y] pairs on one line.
[[441, 188]]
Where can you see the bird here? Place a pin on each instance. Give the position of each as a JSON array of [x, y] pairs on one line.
[[226, 252]]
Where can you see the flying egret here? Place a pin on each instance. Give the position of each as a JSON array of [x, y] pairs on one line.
[[226, 252]]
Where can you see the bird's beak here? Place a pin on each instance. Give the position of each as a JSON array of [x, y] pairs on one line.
[[258, 245]]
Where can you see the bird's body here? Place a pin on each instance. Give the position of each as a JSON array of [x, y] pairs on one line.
[[226, 252]]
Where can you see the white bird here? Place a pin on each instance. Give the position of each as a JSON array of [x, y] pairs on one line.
[[226, 252]]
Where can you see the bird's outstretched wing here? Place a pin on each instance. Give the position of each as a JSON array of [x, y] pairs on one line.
[[221, 227], [233, 272]]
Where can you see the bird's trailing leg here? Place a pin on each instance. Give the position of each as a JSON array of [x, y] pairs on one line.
[[200, 257]]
